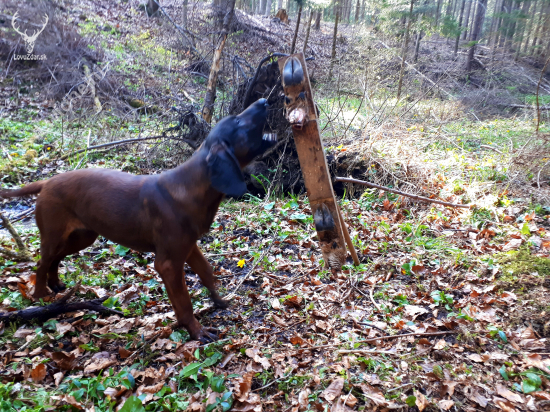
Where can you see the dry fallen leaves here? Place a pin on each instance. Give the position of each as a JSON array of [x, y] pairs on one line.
[[333, 390]]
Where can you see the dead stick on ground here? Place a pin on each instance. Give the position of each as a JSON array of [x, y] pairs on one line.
[[371, 295], [58, 308], [398, 192], [347, 237], [332, 345], [368, 352], [23, 253], [118, 142], [449, 332]]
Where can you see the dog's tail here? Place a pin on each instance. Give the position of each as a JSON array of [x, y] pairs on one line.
[[30, 189]]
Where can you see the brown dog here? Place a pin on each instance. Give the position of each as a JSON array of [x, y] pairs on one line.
[[165, 213]]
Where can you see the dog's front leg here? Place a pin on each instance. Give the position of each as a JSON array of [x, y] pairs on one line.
[[170, 268], [201, 267]]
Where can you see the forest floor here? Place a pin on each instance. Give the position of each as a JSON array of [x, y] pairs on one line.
[[468, 289]]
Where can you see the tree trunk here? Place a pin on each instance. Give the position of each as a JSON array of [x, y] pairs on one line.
[[357, 10], [210, 96], [268, 8], [504, 22], [522, 25], [184, 17], [404, 52], [468, 8], [318, 18], [308, 30], [449, 8], [529, 27], [363, 10], [512, 25], [152, 7], [438, 12], [476, 30], [459, 26], [262, 6], [455, 6], [544, 35], [493, 24], [334, 37], [293, 47], [539, 25], [279, 5], [417, 45]]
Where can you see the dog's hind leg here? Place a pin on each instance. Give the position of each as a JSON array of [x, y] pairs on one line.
[[76, 241], [201, 267], [170, 267]]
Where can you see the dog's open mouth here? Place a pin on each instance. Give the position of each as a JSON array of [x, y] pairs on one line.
[[270, 137]]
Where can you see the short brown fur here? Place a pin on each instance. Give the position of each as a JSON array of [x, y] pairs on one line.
[[165, 214]]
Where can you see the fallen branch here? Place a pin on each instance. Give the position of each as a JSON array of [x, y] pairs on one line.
[[368, 352], [23, 254], [486, 146], [21, 216], [448, 332], [123, 142], [398, 192], [58, 308], [523, 106]]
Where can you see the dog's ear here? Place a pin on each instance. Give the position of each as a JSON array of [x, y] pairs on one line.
[[225, 172]]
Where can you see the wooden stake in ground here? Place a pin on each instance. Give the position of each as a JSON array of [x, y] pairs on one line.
[[302, 115]]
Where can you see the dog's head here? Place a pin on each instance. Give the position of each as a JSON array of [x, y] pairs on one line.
[[234, 143]]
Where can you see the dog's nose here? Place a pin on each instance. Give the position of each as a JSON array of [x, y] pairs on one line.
[[264, 102]]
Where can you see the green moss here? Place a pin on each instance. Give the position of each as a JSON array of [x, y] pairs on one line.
[[521, 262]]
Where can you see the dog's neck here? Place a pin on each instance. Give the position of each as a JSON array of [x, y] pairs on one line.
[[199, 195]]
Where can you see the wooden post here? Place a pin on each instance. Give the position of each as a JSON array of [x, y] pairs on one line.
[[302, 115]]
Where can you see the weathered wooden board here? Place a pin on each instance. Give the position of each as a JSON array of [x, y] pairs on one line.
[[301, 112]]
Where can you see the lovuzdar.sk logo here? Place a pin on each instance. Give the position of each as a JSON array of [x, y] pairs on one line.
[[29, 40]]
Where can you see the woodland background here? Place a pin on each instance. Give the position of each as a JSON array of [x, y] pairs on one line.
[[445, 99]]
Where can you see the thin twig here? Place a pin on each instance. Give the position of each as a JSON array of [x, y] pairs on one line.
[[399, 387], [368, 352], [178, 28], [23, 254], [486, 146], [538, 87], [371, 295], [398, 192], [449, 332]]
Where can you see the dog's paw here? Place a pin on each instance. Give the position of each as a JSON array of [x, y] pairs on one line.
[[40, 293], [206, 335], [220, 303], [57, 287]]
